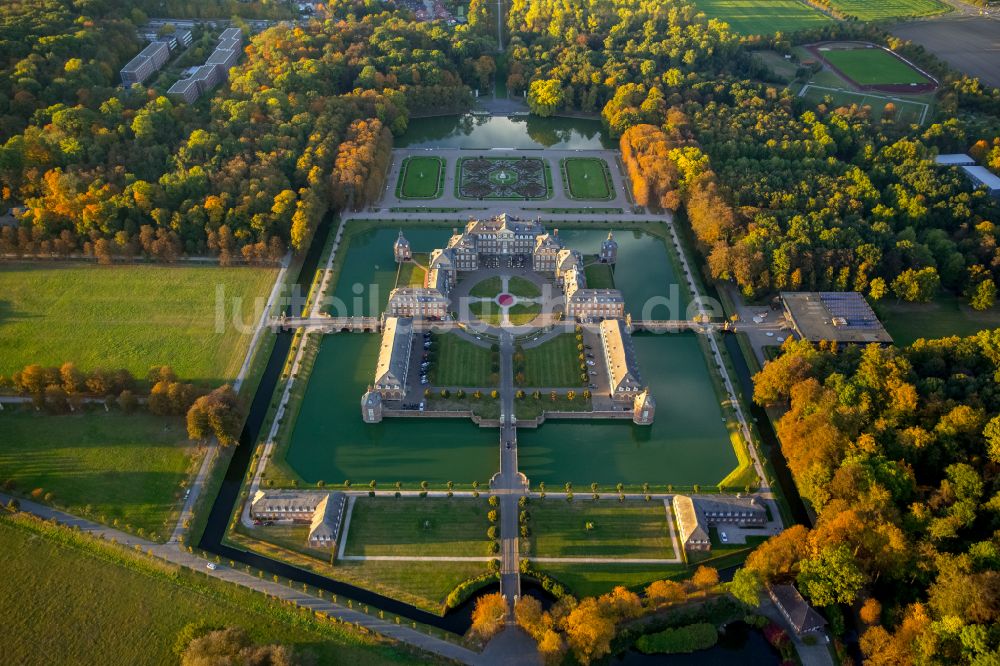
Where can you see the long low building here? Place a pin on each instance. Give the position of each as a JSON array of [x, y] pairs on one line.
[[695, 515], [834, 316], [394, 358], [146, 63], [619, 357], [322, 511]]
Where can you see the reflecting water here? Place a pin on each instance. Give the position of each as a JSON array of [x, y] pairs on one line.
[[483, 132]]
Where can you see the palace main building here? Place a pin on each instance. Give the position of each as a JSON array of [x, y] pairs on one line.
[[505, 242]]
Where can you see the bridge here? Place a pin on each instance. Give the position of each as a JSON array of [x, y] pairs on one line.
[[329, 324], [661, 325]]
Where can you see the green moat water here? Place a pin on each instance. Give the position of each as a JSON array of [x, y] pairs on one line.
[[484, 132], [688, 443]]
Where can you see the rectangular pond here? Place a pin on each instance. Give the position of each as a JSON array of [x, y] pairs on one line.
[[330, 442], [687, 444]]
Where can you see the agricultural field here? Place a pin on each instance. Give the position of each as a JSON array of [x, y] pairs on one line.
[[108, 466], [588, 179], [763, 17], [418, 527], [421, 178], [131, 317], [872, 67], [553, 364], [603, 528], [460, 363], [866, 10], [86, 609], [968, 44]]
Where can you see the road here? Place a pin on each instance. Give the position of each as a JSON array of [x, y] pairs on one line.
[[507, 483]]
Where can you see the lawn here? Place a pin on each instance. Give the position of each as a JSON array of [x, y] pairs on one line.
[[418, 527], [66, 605], [588, 179], [460, 363], [411, 274], [420, 178], [553, 364], [131, 317], [110, 466], [523, 288], [866, 10], [424, 585], [911, 110], [620, 530], [593, 580], [488, 288], [872, 66], [530, 408], [520, 314], [943, 317], [487, 312], [599, 276], [763, 17]]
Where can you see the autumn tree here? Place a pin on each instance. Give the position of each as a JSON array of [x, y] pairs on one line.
[[488, 616]]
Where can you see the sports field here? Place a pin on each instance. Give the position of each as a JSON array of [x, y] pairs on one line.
[[763, 17], [420, 178], [418, 527], [866, 10], [588, 179], [553, 364], [63, 604], [131, 317], [460, 363], [605, 528], [109, 466], [871, 67], [906, 110]]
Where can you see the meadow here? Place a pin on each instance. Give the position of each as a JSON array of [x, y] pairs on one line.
[[131, 317], [872, 67], [866, 10], [763, 17]]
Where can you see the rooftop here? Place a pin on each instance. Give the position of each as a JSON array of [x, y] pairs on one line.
[[834, 316], [954, 159], [983, 176]]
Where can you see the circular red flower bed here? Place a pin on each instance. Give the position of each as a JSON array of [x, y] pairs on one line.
[[505, 299]]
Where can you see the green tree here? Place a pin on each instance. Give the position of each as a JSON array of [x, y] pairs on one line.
[[832, 576], [545, 97]]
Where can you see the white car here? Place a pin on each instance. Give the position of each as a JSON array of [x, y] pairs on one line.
[[211, 566], [723, 537]]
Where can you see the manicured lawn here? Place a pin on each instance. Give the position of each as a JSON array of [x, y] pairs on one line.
[[591, 580], [420, 178], [866, 10], [131, 317], [488, 288], [944, 316], [460, 363], [529, 408], [554, 363], [65, 605], [411, 274], [625, 530], [425, 585], [588, 179], [418, 527], [763, 17], [523, 288], [599, 276], [520, 314], [124, 467], [873, 66], [487, 312]]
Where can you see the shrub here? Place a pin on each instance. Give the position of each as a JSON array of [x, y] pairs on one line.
[[689, 638]]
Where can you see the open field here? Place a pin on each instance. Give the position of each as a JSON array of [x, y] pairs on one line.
[[131, 317], [425, 585], [872, 66], [421, 178], [908, 110], [460, 363], [599, 276], [763, 17], [554, 363], [968, 44], [418, 527], [588, 179], [630, 530], [112, 465], [866, 10], [65, 605], [943, 317]]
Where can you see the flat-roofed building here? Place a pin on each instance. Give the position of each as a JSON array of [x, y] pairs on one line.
[[225, 59], [186, 90], [145, 64], [619, 357], [982, 177], [834, 316], [394, 358], [954, 159]]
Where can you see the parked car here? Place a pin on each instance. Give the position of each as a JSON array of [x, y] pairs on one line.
[[593, 373], [211, 566], [723, 537]]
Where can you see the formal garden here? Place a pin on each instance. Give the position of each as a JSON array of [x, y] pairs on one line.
[[503, 179], [421, 178], [587, 179]]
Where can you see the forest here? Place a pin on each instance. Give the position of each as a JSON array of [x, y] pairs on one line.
[[898, 452]]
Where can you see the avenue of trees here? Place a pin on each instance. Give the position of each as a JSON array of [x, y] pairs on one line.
[[898, 452]]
